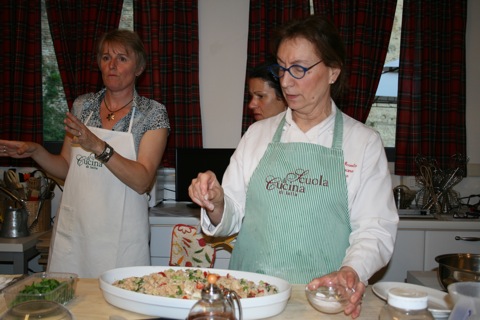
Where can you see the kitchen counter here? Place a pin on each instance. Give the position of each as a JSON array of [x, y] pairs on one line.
[[173, 213], [180, 212], [424, 278], [445, 222], [19, 251], [419, 240], [90, 304]]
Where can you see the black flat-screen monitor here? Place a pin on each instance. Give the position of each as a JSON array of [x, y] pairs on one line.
[[190, 161]]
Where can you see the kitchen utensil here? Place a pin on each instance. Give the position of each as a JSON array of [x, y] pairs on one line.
[[403, 196], [39, 209], [13, 183], [46, 195], [15, 220], [458, 267]]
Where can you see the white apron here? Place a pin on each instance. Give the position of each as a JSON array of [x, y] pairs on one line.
[[101, 224]]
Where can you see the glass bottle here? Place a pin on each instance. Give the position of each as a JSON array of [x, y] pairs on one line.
[[214, 305], [406, 304]]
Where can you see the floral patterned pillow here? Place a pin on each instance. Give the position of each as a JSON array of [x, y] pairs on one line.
[[190, 249]]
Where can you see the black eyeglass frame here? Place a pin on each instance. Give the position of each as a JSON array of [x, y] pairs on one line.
[[276, 76]]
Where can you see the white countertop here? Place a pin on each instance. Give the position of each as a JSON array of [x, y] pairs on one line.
[[19, 244], [424, 278], [446, 223], [174, 213], [180, 212]]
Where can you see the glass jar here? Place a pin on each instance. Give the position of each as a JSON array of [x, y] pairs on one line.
[[406, 304], [215, 304]]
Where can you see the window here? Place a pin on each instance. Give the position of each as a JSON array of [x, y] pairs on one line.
[[383, 114], [54, 101]]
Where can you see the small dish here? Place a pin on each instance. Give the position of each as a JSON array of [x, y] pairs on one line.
[[38, 309], [331, 298]]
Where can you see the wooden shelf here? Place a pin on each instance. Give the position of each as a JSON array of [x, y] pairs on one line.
[[43, 246]]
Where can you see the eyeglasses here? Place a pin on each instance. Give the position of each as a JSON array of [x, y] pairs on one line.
[[295, 70]]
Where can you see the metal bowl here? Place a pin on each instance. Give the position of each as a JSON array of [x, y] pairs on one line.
[[458, 267]]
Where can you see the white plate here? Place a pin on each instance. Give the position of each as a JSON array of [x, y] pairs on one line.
[[252, 308], [439, 302]]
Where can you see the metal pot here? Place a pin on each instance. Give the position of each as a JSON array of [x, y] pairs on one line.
[[458, 267], [15, 220]]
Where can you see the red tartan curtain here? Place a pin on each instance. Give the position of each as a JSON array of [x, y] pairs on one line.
[[265, 17], [365, 26], [21, 78], [169, 30], [432, 79], [75, 26]]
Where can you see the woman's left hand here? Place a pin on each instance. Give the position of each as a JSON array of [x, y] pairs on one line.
[[349, 278], [81, 135]]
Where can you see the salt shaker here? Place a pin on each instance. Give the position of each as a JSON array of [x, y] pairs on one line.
[[406, 304], [214, 304]]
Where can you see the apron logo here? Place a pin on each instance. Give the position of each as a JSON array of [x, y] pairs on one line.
[[349, 168], [89, 162], [294, 182]]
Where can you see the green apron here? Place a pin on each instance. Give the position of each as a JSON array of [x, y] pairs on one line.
[[296, 225]]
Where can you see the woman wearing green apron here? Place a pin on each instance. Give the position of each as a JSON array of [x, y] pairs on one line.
[[308, 191]]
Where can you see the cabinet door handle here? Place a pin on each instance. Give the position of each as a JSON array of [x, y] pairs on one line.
[[467, 238]]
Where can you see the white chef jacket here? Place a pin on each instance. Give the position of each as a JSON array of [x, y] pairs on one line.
[[373, 214]]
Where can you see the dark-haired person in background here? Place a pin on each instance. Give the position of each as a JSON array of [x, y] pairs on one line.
[[113, 145], [266, 97], [309, 190]]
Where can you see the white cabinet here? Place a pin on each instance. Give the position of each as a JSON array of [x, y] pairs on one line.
[[407, 255], [162, 220], [420, 241]]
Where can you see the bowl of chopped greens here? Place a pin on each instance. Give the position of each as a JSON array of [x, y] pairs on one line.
[[52, 286]]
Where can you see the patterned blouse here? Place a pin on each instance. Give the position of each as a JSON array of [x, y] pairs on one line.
[[149, 114]]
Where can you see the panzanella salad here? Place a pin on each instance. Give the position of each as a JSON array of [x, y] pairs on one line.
[[188, 284]]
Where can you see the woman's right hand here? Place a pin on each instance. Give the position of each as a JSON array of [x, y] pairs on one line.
[[17, 149], [206, 191]]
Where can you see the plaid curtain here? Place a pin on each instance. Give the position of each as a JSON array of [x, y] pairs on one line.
[[265, 16], [365, 26], [169, 29], [432, 79], [21, 78], [75, 26]]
